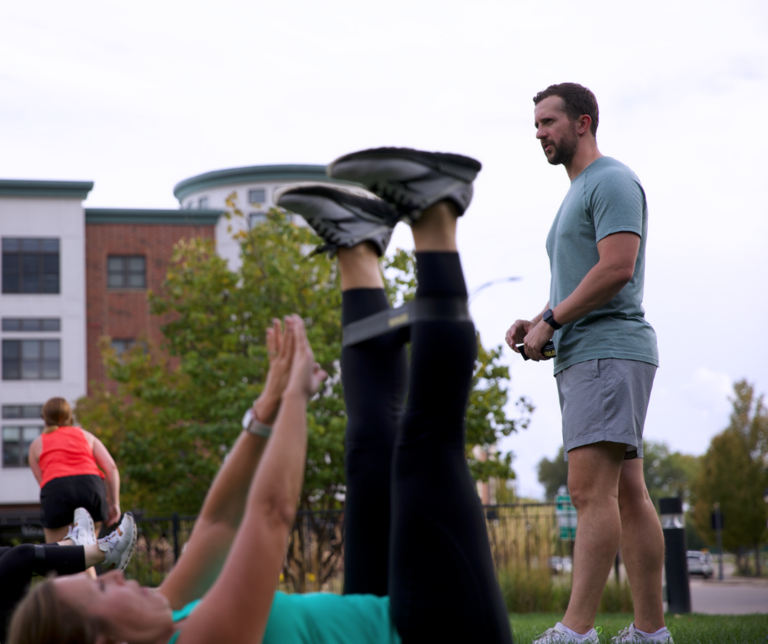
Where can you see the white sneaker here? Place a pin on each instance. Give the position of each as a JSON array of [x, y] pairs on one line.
[[559, 634], [118, 546], [82, 532], [631, 635]]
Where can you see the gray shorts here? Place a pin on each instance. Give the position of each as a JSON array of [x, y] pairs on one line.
[[605, 400]]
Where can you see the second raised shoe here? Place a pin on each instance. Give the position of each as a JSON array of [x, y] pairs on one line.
[[340, 218], [411, 180], [119, 545]]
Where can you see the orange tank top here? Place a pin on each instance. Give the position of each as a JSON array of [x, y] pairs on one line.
[[66, 452]]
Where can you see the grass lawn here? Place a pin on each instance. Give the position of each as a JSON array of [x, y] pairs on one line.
[[689, 629]]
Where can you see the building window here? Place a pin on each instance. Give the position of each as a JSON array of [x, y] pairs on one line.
[[30, 265], [126, 344], [124, 271], [16, 442], [31, 324], [23, 411], [257, 196], [256, 218], [31, 360], [202, 203]]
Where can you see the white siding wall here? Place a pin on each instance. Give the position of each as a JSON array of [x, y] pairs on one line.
[[64, 219]]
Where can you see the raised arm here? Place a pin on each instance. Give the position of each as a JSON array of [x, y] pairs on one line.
[[236, 609], [224, 505]]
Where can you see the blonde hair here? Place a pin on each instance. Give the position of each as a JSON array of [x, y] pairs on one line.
[[43, 618], [57, 413]]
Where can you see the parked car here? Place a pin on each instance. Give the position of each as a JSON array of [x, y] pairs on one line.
[[561, 565], [700, 563]]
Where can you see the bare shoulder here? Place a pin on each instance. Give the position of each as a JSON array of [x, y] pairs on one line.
[[92, 440]]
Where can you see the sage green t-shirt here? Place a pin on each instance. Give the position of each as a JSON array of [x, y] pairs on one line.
[[605, 198], [322, 618]]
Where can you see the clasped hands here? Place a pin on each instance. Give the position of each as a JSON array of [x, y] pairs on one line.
[[533, 336]]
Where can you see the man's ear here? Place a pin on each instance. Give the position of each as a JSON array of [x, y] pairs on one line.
[[583, 123]]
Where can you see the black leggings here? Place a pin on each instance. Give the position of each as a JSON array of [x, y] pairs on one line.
[[415, 529], [18, 564]]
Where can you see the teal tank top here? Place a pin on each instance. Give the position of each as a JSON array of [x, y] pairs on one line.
[[322, 618]]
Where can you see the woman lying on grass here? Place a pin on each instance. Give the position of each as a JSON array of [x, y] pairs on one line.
[[417, 563]]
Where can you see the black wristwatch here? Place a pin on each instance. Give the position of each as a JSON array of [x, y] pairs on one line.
[[549, 318]]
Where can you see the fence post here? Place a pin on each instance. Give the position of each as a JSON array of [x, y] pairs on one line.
[[175, 522]]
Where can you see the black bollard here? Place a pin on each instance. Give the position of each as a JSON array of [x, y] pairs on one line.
[[675, 555]]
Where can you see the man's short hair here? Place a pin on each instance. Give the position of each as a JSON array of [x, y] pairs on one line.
[[577, 100]]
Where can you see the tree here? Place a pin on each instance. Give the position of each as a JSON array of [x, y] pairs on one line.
[[175, 409], [553, 474], [667, 473], [733, 473]]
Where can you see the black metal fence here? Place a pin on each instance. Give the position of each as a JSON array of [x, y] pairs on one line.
[[521, 536]]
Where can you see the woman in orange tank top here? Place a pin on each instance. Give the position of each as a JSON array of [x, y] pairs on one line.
[[72, 467]]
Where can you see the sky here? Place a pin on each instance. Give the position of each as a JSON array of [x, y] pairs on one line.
[[137, 97]]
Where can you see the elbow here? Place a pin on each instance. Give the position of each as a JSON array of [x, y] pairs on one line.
[[622, 276], [279, 512]]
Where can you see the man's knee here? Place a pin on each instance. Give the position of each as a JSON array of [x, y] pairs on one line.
[[632, 490], [593, 474]]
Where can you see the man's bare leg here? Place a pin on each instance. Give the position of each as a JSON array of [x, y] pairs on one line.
[[642, 547], [593, 481]]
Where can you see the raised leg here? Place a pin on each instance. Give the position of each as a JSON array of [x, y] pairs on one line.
[[374, 375], [442, 580], [17, 565]]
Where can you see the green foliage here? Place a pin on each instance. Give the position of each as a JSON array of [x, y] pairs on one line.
[[535, 590], [668, 473], [553, 474], [172, 411], [733, 473]]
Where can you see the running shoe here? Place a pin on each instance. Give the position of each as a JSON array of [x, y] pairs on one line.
[[631, 635], [340, 218], [558, 634], [82, 531], [118, 546], [410, 180]]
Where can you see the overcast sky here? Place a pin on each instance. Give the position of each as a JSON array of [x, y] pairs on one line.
[[137, 97]]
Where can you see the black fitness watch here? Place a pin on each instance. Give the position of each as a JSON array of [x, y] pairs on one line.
[[549, 318]]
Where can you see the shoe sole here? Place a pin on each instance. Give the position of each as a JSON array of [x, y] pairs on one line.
[[368, 209], [125, 558], [352, 203], [457, 166]]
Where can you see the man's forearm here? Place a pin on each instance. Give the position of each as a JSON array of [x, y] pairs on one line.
[[598, 287]]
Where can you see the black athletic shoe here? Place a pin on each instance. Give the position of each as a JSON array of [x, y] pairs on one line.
[[410, 180], [340, 218]]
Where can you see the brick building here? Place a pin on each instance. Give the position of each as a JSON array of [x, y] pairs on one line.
[[126, 253]]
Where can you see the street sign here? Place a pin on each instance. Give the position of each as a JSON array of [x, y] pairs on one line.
[[566, 517]]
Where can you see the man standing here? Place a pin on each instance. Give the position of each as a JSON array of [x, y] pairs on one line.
[[605, 364]]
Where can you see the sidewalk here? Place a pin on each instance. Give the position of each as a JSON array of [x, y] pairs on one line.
[[732, 596]]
